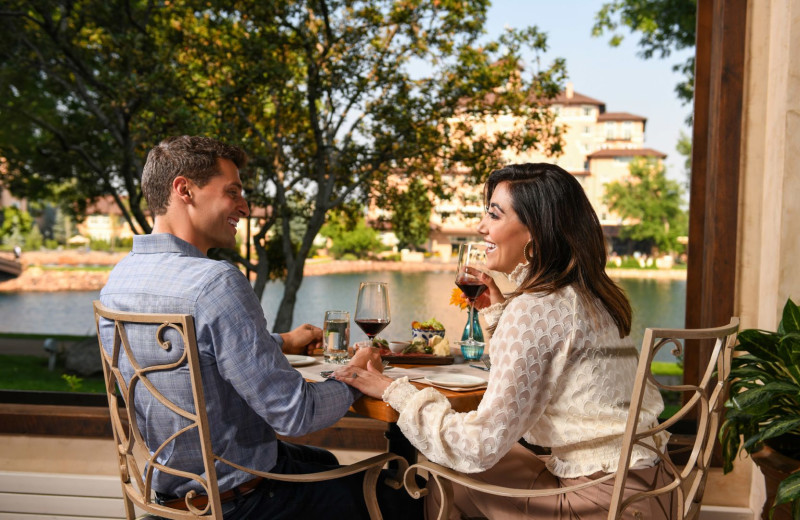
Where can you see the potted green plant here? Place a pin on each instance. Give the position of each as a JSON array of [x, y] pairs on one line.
[[763, 412]]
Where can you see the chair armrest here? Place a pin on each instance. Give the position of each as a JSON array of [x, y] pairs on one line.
[[378, 461], [439, 472]]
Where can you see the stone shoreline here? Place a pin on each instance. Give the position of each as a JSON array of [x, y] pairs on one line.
[[36, 279]]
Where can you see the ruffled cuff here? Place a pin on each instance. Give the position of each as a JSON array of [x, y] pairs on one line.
[[491, 314], [399, 393]]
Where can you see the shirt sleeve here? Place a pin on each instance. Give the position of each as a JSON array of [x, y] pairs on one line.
[[529, 350], [232, 323]]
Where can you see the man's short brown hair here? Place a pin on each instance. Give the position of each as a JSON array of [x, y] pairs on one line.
[[193, 157]]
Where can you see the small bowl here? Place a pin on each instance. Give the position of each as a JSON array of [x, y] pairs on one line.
[[397, 347], [426, 334]]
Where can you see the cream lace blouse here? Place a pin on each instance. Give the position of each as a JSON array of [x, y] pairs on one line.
[[561, 378]]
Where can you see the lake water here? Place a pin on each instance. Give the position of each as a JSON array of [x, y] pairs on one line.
[[413, 296]]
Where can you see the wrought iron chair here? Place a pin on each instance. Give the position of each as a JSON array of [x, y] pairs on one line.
[[705, 399], [132, 451]]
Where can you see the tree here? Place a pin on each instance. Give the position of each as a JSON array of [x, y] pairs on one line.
[[651, 202], [332, 97], [15, 225], [684, 147], [664, 25], [86, 85], [328, 97], [411, 214], [350, 234]]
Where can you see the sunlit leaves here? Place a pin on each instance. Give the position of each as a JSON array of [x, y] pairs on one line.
[[651, 203]]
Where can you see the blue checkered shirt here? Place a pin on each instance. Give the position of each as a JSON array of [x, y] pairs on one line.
[[251, 391]]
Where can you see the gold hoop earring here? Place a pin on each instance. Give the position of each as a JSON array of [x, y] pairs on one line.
[[528, 256]]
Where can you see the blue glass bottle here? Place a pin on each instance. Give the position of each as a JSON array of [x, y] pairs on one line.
[[477, 332]]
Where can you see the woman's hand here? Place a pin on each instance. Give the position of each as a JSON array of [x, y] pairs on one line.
[[491, 295], [370, 382]]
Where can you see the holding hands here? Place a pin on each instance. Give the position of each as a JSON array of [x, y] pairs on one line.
[[364, 372]]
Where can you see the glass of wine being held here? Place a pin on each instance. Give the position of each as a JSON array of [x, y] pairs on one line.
[[372, 308], [471, 261]]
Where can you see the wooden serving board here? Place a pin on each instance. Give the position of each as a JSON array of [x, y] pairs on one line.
[[418, 359]]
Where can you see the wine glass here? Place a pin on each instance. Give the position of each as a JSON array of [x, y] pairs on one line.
[[372, 308], [471, 259]]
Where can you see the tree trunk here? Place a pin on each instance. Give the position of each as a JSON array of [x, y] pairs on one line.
[[262, 273], [294, 274], [294, 278]]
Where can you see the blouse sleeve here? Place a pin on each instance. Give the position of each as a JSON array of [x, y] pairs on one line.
[[529, 349]]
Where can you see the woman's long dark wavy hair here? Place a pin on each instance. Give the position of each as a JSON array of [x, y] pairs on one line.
[[568, 243]]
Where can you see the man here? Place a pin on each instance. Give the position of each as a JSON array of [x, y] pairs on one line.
[[194, 191]]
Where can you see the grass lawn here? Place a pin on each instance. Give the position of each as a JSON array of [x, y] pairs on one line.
[[31, 373]]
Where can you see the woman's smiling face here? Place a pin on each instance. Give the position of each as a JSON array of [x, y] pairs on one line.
[[504, 233]]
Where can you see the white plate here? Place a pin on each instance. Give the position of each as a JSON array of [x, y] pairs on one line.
[[299, 361], [456, 381]]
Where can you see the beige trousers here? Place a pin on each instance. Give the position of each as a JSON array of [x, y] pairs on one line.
[[521, 468]]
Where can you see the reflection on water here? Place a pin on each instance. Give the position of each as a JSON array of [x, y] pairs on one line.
[[68, 312], [413, 296]]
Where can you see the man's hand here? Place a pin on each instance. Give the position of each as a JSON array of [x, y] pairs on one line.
[[303, 340], [367, 356]]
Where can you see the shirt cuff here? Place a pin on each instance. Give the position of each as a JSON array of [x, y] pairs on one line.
[[399, 393], [492, 313], [278, 339]]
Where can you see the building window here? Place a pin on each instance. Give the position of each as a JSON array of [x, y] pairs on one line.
[[587, 111], [611, 130], [627, 130], [587, 130]]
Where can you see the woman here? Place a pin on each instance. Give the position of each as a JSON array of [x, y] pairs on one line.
[[562, 366]]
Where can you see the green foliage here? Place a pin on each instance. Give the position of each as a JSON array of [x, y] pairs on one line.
[[328, 98], [664, 26], [31, 373], [73, 382], [411, 214], [764, 407], [653, 202], [14, 226], [33, 239], [86, 87], [684, 147], [97, 244], [351, 237], [61, 227]]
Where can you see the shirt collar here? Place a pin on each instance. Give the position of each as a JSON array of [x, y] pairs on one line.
[[164, 243], [518, 275]]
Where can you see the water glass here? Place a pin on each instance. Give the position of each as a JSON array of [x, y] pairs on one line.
[[336, 336]]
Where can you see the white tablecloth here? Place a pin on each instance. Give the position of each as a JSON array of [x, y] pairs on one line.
[[312, 372]]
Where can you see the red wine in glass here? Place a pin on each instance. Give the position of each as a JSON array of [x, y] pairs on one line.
[[372, 308], [471, 288], [471, 262], [372, 327]]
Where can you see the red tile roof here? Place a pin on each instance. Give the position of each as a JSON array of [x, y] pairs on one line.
[[626, 152], [577, 99], [620, 116]]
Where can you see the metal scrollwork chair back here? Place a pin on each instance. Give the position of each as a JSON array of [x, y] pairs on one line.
[[138, 461], [702, 404]]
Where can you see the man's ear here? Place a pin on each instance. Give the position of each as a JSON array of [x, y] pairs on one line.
[[181, 187]]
